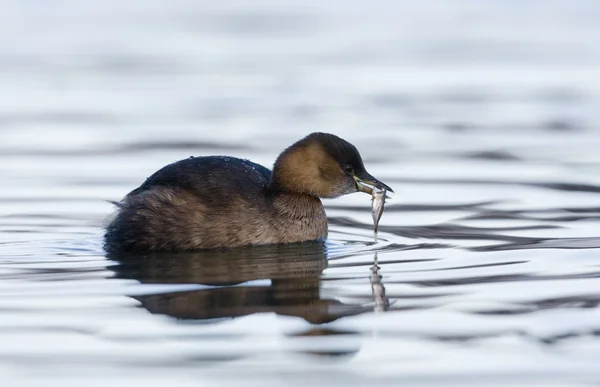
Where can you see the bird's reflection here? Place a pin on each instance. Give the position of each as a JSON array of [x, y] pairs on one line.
[[292, 287]]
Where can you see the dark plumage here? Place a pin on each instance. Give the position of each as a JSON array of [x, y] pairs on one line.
[[221, 201]]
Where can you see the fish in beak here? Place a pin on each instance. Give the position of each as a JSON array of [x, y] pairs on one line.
[[365, 183]]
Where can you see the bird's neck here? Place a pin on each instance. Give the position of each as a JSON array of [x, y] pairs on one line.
[[300, 217], [297, 205]]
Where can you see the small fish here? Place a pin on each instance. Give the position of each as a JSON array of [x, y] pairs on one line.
[[378, 202]]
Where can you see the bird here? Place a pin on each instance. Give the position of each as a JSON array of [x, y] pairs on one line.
[[212, 202]]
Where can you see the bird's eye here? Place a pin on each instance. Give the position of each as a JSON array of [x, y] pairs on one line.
[[348, 168]]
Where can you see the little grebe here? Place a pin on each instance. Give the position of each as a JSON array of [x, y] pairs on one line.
[[219, 201]]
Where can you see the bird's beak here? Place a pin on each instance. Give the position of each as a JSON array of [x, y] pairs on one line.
[[366, 182]]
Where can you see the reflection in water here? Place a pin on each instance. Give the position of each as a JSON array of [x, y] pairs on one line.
[[292, 286], [382, 302]]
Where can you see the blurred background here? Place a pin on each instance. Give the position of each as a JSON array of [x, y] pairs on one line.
[[481, 115]]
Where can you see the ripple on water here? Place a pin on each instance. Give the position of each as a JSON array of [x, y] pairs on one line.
[[486, 271]]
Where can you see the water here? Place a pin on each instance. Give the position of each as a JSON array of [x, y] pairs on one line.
[[481, 115]]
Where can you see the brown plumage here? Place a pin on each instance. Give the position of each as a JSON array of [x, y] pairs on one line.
[[220, 201]]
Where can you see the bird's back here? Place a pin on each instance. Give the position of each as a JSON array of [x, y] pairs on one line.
[[204, 175], [200, 202]]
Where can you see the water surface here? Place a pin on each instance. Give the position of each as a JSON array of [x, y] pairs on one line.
[[482, 116]]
